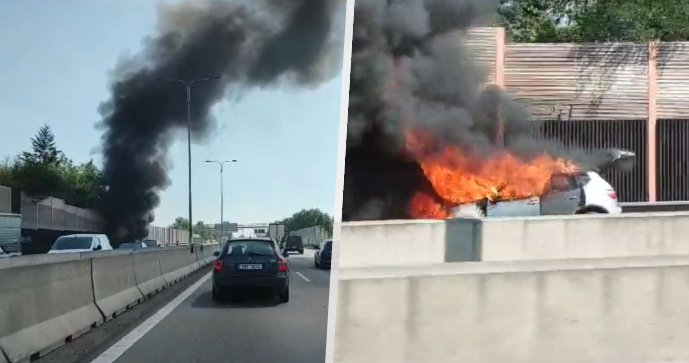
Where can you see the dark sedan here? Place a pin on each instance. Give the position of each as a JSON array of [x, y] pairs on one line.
[[323, 256], [293, 244], [250, 263]]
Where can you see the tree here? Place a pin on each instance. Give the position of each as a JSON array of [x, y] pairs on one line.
[[38, 181], [180, 223], [46, 171], [535, 20], [86, 184], [207, 234], [582, 21], [45, 151], [308, 218]]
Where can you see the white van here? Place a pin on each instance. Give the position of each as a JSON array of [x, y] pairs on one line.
[[81, 243]]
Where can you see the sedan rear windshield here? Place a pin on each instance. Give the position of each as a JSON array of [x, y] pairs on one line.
[[248, 248], [294, 240], [72, 243]]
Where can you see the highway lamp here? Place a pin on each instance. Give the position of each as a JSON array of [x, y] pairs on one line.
[[222, 204], [187, 85]]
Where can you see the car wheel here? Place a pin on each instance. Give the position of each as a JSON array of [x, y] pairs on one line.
[[301, 252], [284, 295]]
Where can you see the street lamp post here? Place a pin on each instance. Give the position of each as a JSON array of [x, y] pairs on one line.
[[188, 85], [222, 204]]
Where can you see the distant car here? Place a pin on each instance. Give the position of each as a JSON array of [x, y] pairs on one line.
[[4, 253], [151, 243], [323, 255], [132, 246], [250, 263], [10, 250], [75, 243], [293, 244]]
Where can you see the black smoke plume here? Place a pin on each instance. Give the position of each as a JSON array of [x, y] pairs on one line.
[[256, 43], [409, 66]]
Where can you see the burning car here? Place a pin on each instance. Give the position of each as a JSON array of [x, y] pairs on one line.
[[564, 193], [503, 185], [577, 193]]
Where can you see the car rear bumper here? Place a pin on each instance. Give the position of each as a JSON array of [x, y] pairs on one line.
[[241, 282]]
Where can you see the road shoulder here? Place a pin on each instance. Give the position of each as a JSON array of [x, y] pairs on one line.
[[90, 345]]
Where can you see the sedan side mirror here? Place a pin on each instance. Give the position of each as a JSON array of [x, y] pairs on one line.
[[216, 253]]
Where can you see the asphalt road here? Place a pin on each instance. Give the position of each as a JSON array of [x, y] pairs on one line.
[[252, 329]]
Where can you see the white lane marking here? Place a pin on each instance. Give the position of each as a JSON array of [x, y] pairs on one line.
[[302, 276], [117, 349]]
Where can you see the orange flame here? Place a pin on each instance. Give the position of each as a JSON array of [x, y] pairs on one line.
[[460, 177], [423, 206]]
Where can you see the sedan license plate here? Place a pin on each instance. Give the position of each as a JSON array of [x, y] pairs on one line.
[[250, 266]]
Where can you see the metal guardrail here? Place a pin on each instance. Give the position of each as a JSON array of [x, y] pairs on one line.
[[640, 207]]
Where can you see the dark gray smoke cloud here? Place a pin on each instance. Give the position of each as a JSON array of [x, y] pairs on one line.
[[258, 43], [411, 68]]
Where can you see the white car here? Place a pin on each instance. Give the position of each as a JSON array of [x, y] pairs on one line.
[[75, 243], [577, 193], [581, 193]]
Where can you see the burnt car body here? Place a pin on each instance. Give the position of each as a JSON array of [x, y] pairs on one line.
[[583, 192]]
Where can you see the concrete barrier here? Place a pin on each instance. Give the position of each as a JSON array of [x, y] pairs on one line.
[[406, 243], [149, 277], [176, 263], [207, 256], [114, 283], [43, 305], [631, 310], [597, 236]]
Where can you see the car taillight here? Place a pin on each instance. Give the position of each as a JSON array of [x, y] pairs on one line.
[[217, 265], [282, 266], [612, 195]]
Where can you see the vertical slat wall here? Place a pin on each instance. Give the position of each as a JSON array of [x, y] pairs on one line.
[[596, 80], [481, 44], [673, 160], [672, 132], [600, 134], [673, 80], [600, 84]]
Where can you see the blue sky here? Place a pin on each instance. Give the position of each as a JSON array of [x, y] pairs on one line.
[[54, 66]]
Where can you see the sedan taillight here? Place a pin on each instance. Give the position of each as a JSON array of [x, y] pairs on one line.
[[217, 265], [282, 266]]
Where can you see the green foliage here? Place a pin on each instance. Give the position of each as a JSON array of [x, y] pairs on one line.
[[45, 171], [582, 21], [45, 151], [308, 218], [85, 184], [180, 223], [206, 233]]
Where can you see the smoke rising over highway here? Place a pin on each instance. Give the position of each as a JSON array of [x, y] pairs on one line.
[[249, 44], [411, 71]]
